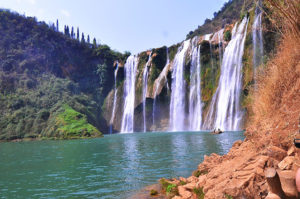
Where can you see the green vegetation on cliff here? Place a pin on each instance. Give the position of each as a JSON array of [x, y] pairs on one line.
[[41, 70]]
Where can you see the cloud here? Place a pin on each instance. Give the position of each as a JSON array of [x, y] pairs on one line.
[[65, 13]]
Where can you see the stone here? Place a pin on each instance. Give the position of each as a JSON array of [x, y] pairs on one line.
[[192, 179], [190, 186], [298, 180], [201, 181], [272, 196], [183, 179], [286, 163], [273, 181], [276, 153], [288, 183], [237, 143], [177, 197], [184, 193], [291, 151]]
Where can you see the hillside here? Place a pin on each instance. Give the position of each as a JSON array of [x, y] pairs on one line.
[[42, 72], [231, 11]]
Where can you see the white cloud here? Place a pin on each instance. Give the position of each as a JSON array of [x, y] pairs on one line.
[[65, 13]]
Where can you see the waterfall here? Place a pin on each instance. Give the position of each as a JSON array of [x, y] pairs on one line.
[[162, 77], [195, 104], [224, 111], [177, 106], [257, 39], [129, 94], [115, 99], [145, 87]]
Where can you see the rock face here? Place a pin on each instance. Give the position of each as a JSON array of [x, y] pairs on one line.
[[245, 172]]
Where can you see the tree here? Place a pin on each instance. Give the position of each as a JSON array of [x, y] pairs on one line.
[[67, 31], [57, 28], [94, 43], [72, 33], [77, 33], [82, 38], [101, 71], [88, 39]]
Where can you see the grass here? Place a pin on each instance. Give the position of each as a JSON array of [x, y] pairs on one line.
[[198, 173], [74, 124], [199, 192]]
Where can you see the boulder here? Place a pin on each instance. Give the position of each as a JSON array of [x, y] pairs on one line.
[[192, 179], [184, 193], [190, 186], [201, 181], [291, 151], [273, 181], [275, 152], [272, 196], [286, 163], [177, 197], [288, 183]]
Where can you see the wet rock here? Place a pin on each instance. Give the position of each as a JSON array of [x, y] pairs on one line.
[[288, 183], [286, 163]]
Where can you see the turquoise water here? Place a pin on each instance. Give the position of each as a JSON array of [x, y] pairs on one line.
[[115, 166]]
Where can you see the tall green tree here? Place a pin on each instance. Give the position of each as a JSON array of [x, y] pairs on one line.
[[88, 39], [57, 28], [72, 33], [94, 43], [78, 33], [82, 38]]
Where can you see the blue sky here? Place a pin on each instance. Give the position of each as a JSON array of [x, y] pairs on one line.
[[133, 25]]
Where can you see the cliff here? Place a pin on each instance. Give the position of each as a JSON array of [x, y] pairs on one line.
[[43, 71]]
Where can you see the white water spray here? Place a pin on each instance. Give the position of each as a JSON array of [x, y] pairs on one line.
[[177, 107], [225, 112], [115, 99], [257, 37], [195, 104], [145, 87], [129, 94]]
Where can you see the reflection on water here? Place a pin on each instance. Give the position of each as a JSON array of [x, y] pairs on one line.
[[111, 167]]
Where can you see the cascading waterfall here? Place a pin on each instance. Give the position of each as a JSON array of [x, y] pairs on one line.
[[115, 99], [224, 111], [177, 106], [129, 94], [257, 38], [162, 77], [145, 87], [195, 104]]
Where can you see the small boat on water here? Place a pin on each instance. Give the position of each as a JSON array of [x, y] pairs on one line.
[[219, 131]]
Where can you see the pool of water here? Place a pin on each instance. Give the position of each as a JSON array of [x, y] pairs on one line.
[[115, 166]]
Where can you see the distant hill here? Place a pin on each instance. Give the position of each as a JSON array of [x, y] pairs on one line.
[[229, 13], [43, 71]]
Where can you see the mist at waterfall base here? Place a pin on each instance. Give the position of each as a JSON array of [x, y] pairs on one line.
[[224, 110], [115, 166]]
